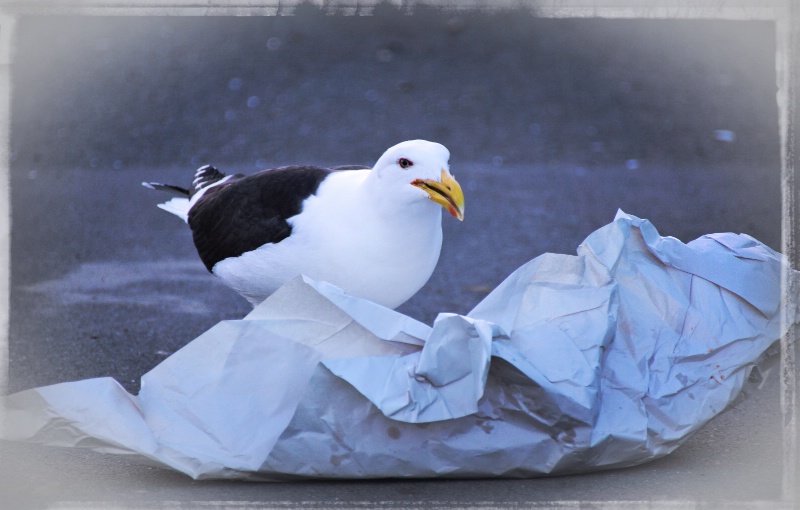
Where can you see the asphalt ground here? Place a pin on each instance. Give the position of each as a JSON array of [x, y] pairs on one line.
[[552, 125]]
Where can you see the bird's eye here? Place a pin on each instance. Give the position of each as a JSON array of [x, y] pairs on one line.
[[404, 163]]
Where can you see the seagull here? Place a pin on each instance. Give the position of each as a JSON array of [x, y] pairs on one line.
[[376, 233]]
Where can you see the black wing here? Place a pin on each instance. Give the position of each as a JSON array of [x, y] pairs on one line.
[[244, 214]]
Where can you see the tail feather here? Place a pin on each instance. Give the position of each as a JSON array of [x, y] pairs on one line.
[[176, 190], [179, 206], [205, 177]]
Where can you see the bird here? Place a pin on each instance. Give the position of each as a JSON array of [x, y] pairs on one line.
[[375, 233]]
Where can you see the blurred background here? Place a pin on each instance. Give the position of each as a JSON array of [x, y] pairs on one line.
[[552, 125], [498, 86]]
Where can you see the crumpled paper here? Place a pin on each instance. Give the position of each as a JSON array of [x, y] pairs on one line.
[[606, 359]]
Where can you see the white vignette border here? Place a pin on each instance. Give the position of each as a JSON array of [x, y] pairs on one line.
[[783, 13]]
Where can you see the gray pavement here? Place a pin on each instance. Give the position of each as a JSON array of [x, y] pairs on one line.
[[552, 126]]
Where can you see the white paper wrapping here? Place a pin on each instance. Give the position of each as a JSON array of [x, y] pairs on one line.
[[609, 358]]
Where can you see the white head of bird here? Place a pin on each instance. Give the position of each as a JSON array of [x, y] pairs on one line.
[[416, 172]]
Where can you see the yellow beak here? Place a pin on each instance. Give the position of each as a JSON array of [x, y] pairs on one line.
[[446, 193]]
